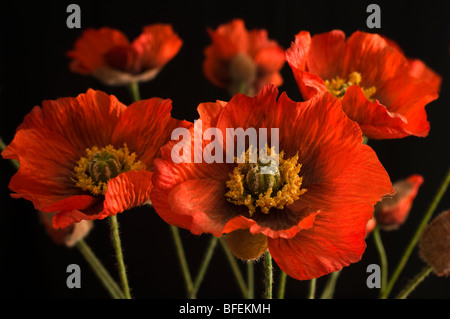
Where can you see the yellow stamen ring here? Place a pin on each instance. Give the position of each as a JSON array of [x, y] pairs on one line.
[[288, 192], [338, 86], [94, 170]]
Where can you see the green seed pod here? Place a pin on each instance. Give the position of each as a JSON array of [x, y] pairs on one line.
[[103, 167], [259, 183]]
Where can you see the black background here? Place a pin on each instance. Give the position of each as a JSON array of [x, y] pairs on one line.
[[34, 40]]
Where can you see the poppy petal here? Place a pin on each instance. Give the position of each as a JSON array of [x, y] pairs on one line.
[[209, 112], [326, 54], [270, 59], [374, 118], [89, 208], [150, 120], [167, 176], [373, 57], [85, 121], [89, 49], [419, 70], [408, 96], [157, 45], [128, 190], [45, 171], [297, 54], [287, 226], [204, 202], [335, 240]]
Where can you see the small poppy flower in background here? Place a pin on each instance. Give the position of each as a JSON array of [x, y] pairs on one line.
[[311, 213], [381, 89], [89, 157], [242, 61], [392, 212], [108, 55], [434, 244], [68, 236]]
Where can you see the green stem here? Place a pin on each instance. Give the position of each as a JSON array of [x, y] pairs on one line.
[[383, 257], [133, 87], [206, 259], [426, 218], [235, 268], [12, 161], [312, 288], [250, 280], [115, 237], [282, 285], [191, 290], [109, 283], [268, 270], [330, 286], [414, 282], [182, 259]]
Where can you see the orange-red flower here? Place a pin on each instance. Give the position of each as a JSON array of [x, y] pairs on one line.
[[108, 55], [311, 213], [381, 89], [241, 60], [391, 213], [89, 157]]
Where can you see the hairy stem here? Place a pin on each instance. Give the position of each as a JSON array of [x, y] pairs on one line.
[[115, 237], [110, 285], [426, 218]]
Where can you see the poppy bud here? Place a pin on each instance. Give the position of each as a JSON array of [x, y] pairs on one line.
[[392, 212], [245, 245], [434, 244]]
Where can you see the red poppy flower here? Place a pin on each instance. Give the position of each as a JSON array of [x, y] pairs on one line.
[[242, 61], [88, 157], [380, 88], [392, 212], [311, 212], [108, 55]]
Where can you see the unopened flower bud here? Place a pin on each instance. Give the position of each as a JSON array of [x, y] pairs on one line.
[[392, 212], [434, 244], [245, 245]]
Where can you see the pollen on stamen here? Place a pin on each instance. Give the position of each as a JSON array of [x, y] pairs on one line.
[[94, 170], [288, 191]]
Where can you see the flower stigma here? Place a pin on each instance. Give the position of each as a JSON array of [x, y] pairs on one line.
[[338, 86], [266, 184], [94, 170]]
